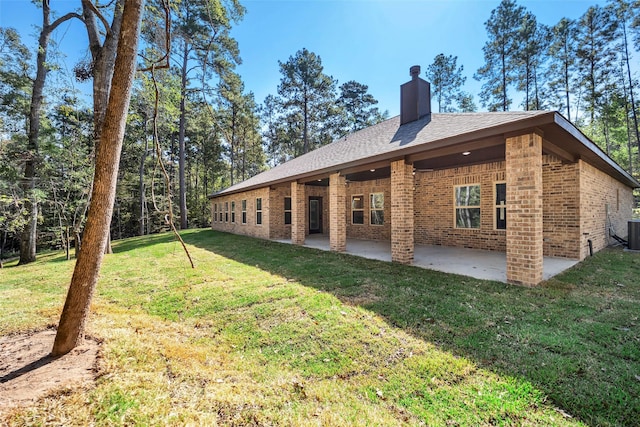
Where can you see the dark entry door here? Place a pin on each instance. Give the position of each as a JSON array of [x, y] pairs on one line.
[[315, 215]]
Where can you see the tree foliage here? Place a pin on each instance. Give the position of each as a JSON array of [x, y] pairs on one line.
[[562, 63], [533, 43], [446, 80], [500, 55], [308, 113], [595, 56], [203, 47], [307, 95], [212, 133], [358, 106]]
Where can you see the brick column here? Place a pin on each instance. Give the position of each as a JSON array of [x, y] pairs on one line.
[[401, 212], [337, 213], [298, 214], [524, 209]]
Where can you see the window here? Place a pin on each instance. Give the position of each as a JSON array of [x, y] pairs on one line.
[[259, 211], [226, 211], [287, 211], [233, 212], [244, 211], [215, 212], [501, 206], [357, 209], [467, 205], [377, 208]]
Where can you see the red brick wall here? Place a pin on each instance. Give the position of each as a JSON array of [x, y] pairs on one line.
[[298, 217], [367, 231], [434, 207], [337, 213], [561, 207], [599, 191], [570, 191], [251, 228], [523, 161], [277, 228], [402, 226]]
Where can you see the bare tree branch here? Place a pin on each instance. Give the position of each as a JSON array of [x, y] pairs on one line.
[[64, 18], [101, 17]]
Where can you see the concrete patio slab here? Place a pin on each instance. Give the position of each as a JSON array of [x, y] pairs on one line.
[[479, 264]]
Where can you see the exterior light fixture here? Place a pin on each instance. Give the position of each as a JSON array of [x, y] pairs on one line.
[[466, 153], [372, 170]]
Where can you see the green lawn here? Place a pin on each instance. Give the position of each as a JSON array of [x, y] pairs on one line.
[[262, 333]]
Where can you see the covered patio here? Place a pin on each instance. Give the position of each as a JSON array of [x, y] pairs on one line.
[[476, 263]]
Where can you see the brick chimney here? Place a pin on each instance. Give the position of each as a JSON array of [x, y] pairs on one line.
[[415, 98]]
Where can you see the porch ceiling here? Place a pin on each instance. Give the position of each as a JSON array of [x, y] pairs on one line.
[[482, 155]]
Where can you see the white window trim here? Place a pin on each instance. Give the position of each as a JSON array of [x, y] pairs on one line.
[[456, 207]]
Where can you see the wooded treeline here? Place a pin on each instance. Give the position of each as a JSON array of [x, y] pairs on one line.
[[208, 130]]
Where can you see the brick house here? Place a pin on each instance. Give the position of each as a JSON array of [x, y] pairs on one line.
[[526, 183]]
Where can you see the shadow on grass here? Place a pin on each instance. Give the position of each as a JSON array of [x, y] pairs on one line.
[[576, 338], [141, 242]]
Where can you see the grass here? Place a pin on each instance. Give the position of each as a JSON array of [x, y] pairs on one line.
[[262, 333]]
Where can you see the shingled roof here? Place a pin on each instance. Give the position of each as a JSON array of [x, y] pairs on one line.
[[391, 140]]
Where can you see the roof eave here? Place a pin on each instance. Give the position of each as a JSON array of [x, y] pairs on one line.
[[549, 118], [568, 127]]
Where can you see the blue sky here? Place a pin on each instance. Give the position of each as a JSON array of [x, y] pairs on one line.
[[371, 41]]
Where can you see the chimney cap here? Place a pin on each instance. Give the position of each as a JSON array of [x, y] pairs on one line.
[[414, 71]]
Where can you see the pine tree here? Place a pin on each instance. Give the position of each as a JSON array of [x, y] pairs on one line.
[[281, 129], [595, 57], [562, 56], [202, 31], [29, 233], [239, 125], [446, 81], [532, 45], [466, 103], [15, 95], [358, 106], [499, 71], [307, 94], [625, 13]]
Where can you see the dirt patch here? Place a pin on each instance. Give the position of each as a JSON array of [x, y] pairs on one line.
[[27, 372]]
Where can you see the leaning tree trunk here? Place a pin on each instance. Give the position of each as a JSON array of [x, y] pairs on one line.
[[103, 56], [85, 274]]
